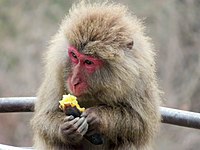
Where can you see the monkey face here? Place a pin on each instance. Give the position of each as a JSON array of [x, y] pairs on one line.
[[107, 37], [82, 67]]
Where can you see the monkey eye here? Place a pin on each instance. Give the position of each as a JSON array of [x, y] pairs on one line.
[[73, 55], [88, 62]]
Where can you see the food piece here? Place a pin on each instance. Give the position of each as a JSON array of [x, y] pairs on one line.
[[70, 106], [70, 100]]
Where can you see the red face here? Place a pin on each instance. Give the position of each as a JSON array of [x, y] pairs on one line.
[[82, 68]]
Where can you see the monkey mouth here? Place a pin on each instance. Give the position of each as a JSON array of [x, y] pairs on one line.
[[78, 89]]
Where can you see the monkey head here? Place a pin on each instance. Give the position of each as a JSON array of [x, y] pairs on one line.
[[103, 49]]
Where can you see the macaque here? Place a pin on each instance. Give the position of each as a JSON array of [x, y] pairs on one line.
[[101, 55]]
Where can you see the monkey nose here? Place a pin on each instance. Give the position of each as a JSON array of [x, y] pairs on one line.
[[76, 81], [75, 84]]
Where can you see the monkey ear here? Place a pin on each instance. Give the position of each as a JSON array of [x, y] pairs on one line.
[[130, 45]]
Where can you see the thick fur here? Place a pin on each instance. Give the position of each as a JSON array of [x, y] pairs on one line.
[[124, 92]]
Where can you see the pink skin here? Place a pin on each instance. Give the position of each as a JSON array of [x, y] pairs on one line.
[[82, 64]]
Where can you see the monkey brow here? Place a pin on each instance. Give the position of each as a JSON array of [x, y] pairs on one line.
[[87, 52], [89, 55]]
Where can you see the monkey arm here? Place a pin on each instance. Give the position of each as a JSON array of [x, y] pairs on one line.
[[124, 124], [47, 124]]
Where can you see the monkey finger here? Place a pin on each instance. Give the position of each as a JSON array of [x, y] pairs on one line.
[[90, 119], [84, 114], [66, 130], [79, 122], [87, 112], [69, 131], [69, 124], [74, 120], [68, 118], [66, 126], [83, 128], [84, 131]]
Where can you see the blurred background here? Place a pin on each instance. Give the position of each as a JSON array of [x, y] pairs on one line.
[[174, 25]]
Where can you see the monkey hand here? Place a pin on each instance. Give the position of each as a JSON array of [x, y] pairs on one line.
[[93, 121], [73, 129]]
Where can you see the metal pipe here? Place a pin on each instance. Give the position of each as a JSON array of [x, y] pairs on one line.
[[169, 115], [180, 117], [17, 104]]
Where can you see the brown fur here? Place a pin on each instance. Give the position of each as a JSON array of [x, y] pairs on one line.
[[126, 85]]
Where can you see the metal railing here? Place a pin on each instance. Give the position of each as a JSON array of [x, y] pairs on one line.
[[169, 115]]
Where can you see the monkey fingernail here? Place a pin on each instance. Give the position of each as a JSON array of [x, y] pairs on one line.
[[77, 118], [71, 117], [83, 114]]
